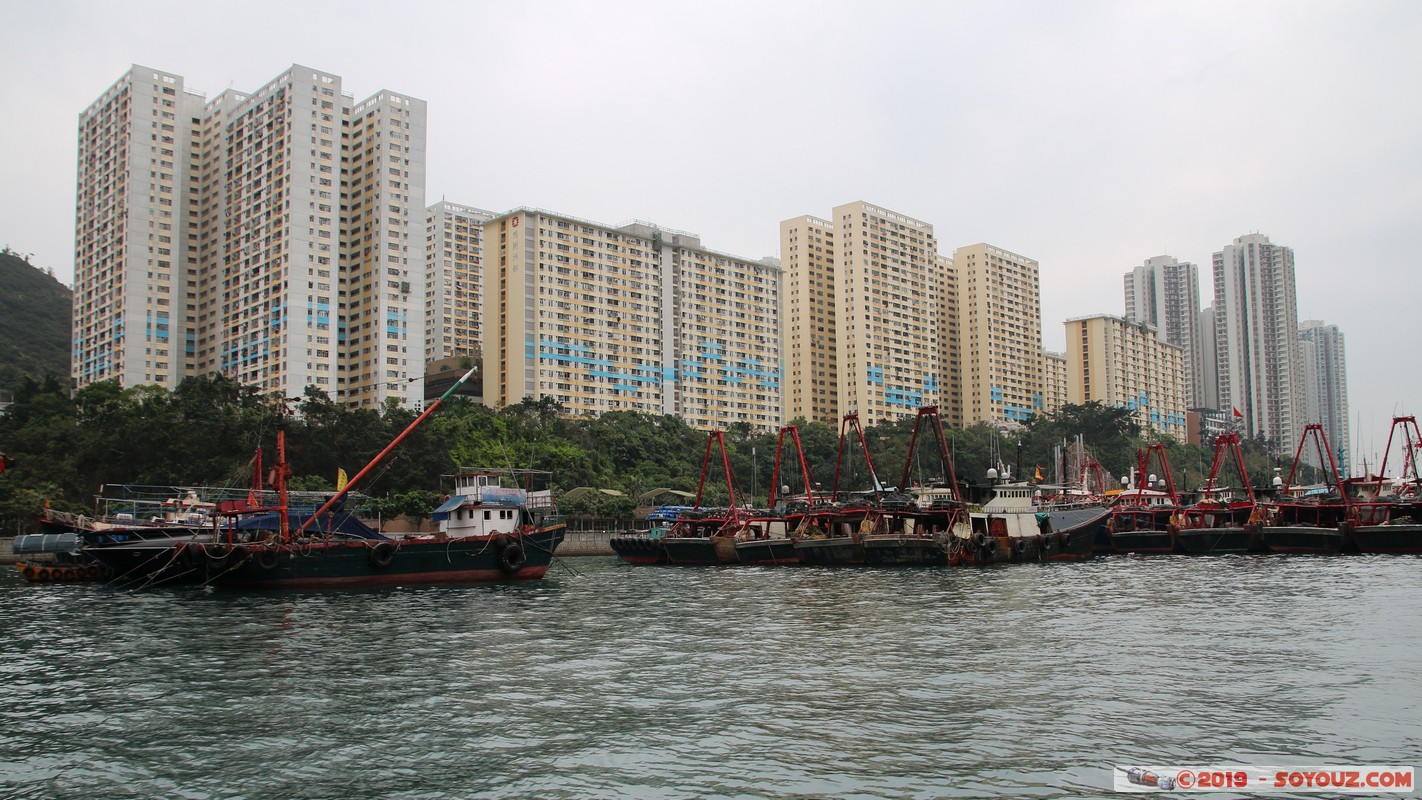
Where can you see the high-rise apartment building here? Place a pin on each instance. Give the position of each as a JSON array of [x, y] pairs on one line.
[[631, 317], [1207, 361], [1001, 335], [275, 237], [454, 293], [1165, 293], [889, 288], [807, 318], [1325, 379], [865, 297], [135, 233], [1123, 363], [950, 344], [1054, 381], [1256, 339]]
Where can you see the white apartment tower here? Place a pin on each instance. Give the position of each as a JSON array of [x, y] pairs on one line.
[[1165, 293], [293, 210], [1207, 361], [1325, 379], [1001, 337], [135, 233], [632, 317], [1256, 339], [454, 293]]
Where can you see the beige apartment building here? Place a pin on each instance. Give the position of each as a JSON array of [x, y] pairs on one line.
[[1001, 337], [1123, 364], [950, 344], [864, 304], [1054, 381], [807, 313], [632, 317], [266, 236], [454, 296]]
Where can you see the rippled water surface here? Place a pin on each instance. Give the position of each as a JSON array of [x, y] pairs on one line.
[[607, 680]]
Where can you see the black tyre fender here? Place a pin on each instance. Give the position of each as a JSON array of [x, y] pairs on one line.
[[267, 559], [382, 554], [512, 557]]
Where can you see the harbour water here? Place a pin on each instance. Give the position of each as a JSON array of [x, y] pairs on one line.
[[606, 680]]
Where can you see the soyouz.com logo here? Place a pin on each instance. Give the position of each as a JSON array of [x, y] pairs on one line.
[[1354, 779]]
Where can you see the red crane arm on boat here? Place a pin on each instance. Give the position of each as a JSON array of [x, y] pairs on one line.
[[804, 467], [374, 462]]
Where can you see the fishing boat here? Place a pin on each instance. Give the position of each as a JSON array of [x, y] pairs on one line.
[[1387, 518], [704, 535], [1220, 522], [1142, 518], [831, 534], [911, 527], [487, 532], [1013, 524], [766, 539], [494, 527], [646, 546], [1309, 519]]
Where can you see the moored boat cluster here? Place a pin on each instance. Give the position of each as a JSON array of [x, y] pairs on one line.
[[930, 524], [919, 523]]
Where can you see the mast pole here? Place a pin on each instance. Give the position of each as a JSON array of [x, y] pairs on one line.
[[374, 462]]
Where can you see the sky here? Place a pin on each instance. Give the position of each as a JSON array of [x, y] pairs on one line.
[[1089, 136]]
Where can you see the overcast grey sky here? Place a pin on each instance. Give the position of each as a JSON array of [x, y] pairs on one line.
[[1087, 135]]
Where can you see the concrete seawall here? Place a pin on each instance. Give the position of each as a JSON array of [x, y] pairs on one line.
[[586, 543]]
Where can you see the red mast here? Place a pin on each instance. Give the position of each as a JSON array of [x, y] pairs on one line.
[[804, 467], [851, 420]]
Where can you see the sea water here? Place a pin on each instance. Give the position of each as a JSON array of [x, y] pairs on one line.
[[611, 680]]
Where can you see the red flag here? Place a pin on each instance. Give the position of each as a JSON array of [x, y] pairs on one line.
[[1237, 414]]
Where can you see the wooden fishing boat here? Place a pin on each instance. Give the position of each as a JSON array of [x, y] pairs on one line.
[[1143, 517], [1388, 518], [832, 534], [1219, 522], [1308, 519]]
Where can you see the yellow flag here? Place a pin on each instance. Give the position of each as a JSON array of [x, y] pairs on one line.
[[340, 479]]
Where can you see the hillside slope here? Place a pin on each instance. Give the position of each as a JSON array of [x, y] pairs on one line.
[[34, 323]]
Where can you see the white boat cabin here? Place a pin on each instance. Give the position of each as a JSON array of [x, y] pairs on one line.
[[481, 506], [1142, 498], [1012, 510]]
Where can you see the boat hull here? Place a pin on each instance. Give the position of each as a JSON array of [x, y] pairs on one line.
[[903, 551], [155, 561], [768, 552], [1303, 539], [1387, 538], [1143, 542], [700, 550], [639, 549], [375, 563], [1214, 541], [836, 552]]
